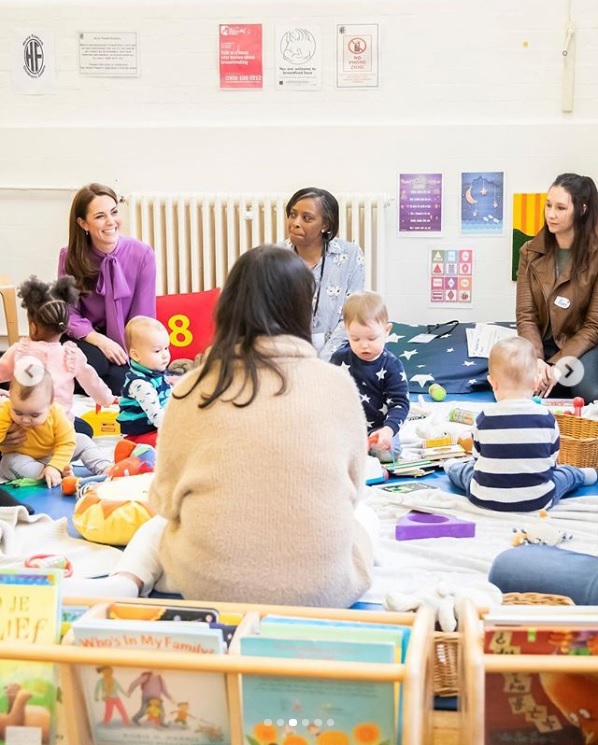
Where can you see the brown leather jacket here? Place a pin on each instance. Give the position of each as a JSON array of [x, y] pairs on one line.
[[575, 327]]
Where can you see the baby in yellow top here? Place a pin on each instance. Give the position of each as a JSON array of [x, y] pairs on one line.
[[49, 442]]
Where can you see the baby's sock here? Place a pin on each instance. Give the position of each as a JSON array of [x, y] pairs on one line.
[[115, 586], [590, 476]]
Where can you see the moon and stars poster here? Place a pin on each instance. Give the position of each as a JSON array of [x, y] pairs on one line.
[[482, 202]]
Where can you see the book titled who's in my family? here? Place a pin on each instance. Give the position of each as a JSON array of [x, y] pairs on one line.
[[30, 602], [146, 705]]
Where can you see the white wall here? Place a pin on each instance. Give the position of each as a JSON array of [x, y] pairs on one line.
[[464, 85]]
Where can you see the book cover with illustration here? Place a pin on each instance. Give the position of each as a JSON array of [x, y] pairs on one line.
[[144, 705], [30, 614], [304, 710], [546, 708]]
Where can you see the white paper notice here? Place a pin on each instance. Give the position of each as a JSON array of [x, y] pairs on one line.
[[108, 54], [484, 336], [357, 56], [298, 58], [33, 64]]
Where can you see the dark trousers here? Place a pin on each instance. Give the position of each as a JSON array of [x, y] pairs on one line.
[[587, 388], [113, 375]]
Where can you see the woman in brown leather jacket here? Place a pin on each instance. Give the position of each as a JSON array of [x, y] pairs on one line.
[[557, 289]]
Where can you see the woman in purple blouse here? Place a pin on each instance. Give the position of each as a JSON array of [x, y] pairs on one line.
[[116, 276]]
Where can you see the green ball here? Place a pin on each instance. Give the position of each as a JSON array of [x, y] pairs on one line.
[[437, 392]]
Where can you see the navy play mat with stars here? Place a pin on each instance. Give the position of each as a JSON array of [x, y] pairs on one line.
[[442, 360]]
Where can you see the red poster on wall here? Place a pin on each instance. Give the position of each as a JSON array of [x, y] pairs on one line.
[[240, 55]]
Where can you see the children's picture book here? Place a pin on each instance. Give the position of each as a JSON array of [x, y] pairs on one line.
[[545, 708], [310, 710], [29, 613], [145, 705], [408, 487], [171, 612], [293, 627]]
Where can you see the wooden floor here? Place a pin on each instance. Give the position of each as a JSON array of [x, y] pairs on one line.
[[446, 728]]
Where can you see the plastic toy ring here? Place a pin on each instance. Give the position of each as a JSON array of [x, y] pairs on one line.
[[50, 561]]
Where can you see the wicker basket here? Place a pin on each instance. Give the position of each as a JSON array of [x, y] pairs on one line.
[[446, 645], [535, 598], [579, 441], [446, 663]]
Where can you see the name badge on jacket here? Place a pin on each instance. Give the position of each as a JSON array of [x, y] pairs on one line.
[[562, 302]]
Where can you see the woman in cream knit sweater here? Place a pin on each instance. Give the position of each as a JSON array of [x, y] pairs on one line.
[[261, 458]]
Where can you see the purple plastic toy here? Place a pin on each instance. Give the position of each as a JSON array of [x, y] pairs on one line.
[[425, 525]]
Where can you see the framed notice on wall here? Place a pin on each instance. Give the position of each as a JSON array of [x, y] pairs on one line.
[[240, 55]]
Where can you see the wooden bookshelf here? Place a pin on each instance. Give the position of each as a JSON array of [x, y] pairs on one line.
[[414, 674]]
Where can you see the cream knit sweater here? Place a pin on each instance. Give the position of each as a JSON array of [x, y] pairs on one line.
[[259, 500]]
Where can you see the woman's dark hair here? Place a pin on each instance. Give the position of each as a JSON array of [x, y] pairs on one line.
[[47, 304], [268, 292], [78, 262], [584, 197], [328, 205]]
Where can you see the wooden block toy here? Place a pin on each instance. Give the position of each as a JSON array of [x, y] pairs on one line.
[[428, 525]]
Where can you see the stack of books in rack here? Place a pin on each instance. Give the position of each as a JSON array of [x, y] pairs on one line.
[[558, 704], [149, 704]]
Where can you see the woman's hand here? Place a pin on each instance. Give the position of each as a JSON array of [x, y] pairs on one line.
[[111, 350], [52, 476], [546, 379], [14, 436]]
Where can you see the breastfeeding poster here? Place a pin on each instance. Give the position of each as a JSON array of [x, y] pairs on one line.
[[451, 277], [298, 58], [240, 55]]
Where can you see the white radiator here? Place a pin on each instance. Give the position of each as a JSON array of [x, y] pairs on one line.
[[198, 237]]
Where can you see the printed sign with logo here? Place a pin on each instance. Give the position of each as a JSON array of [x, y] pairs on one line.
[[240, 48], [357, 56], [451, 277], [33, 68], [298, 58]]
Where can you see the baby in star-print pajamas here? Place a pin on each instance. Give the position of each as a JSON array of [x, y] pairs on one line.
[[380, 377]]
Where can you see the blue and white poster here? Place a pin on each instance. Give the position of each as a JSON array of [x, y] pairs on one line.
[[482, 202]]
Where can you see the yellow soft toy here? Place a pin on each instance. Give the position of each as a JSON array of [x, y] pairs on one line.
[[111, 511]]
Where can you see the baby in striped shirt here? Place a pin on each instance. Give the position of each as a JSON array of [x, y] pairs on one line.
[[515, 441]]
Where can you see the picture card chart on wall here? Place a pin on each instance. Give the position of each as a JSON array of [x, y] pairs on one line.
[[420, 204], [451, 277], [357, 55], [240, 55], [482, 202], [298, 51]]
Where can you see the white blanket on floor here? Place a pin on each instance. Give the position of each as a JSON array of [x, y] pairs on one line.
[[408, 566], [23, 535]]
